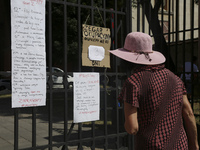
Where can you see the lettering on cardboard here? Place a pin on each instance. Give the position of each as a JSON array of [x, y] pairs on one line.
[[96, 36]]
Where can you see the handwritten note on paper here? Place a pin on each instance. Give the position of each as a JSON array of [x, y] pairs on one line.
[[28, 53], [28, 78], [28, 24], [86, 97]]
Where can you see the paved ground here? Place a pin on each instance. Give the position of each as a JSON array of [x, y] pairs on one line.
[[25, 132], [25, 126]]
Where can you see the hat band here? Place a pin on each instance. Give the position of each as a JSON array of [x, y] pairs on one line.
[[145, 54], [133, 51]]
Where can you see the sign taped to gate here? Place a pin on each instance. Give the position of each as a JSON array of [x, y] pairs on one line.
[[28, 53], [86, 97], [96, 43]]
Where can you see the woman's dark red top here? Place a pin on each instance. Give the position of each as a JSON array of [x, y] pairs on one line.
[[158, 95]]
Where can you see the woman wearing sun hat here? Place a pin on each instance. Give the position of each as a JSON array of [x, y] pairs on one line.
[[154, 99]]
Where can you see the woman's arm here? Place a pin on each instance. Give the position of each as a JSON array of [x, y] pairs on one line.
[[131, 122], [190, 124]]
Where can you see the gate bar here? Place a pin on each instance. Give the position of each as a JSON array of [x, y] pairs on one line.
[[16, 129], [34, 127], [50, 70], [66, 136]]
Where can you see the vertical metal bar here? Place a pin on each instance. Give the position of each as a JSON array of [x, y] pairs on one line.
[[65, 79], [173, 14], [184, 26], [169, 30], [80, 60], [34, 127], [115, 29], [199, 33], [105, 79], [80, 136], [104, 12], [93, 136], [92, 12], [138, 15], [131, 139], [93, 124], [105, 113], [192, 49], [149, 16], [128, 16], [112, 29], [79, 35], [177, 33], [92, 20], [116, 69], [162, 22], [16, 129], [50, 65], [143, 18]]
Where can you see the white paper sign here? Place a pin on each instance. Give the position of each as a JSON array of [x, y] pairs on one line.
[[86, 97], [28, 53], [28, 24], [96, 53]]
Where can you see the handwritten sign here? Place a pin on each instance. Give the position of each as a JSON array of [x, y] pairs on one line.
[[86, 97], [28, 24], [99, 37], [28, 53]]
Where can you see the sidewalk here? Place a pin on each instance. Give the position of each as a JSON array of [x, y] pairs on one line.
[[25, 126], [25, 133], [42, 127]]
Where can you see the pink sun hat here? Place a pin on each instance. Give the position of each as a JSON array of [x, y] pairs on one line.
[[138, 49]]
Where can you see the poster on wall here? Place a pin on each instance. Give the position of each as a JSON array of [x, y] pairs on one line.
[[96, 43], [28, 53], [86, 97]]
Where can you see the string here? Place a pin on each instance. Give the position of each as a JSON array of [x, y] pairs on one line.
[[145, 54], [86, 19], [99, 14], [107, 80]]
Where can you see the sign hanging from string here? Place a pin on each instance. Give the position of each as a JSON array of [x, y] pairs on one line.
[[96, 43]]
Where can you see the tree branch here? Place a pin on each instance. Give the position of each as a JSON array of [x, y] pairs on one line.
[[157, 5], [154, 24]]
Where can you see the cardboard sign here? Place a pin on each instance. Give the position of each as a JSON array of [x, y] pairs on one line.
[[96, 43]]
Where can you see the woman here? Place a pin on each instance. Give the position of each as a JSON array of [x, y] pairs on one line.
[[155, 100]]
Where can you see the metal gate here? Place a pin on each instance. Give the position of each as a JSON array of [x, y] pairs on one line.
[[52, 127], [107, 132]]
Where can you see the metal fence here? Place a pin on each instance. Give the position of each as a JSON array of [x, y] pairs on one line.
[[51, 127]]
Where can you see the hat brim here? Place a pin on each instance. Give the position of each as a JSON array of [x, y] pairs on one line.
[[156, 57]]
